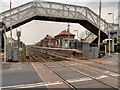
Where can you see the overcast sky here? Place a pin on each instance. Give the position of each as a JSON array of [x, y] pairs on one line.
[[41, 28]]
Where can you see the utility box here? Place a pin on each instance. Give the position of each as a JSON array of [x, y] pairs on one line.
[[8, 53], [95, 52], [15, 54], [86, 49]]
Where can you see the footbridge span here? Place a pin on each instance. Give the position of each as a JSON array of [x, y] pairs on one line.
[[51, 11]]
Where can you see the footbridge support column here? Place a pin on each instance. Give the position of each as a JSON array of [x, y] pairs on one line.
[[1, 41]]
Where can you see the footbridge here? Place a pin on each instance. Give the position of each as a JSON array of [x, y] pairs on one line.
[[51, 11]]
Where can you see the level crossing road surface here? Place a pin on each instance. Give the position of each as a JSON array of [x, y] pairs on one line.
[[18, 74], [75, 74]]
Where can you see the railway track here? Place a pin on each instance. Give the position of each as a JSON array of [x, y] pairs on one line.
[[100, 66], [42, 60], [38, 48], [45, 57], [84, 62]]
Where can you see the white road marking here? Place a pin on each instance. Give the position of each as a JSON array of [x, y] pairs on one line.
[[34, 85], [54, 83], [15, 69], [86, 79], [112, 74], [72, 64], [109, 62], [100, 77], [115, 75], [107, 71], [79, 80]]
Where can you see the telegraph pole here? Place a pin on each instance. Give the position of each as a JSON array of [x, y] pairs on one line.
[[11, 29], [68, 35], [10, 20], [99, 27]]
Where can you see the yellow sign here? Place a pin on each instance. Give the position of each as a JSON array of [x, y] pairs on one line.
[[83, 40], [1, 54]]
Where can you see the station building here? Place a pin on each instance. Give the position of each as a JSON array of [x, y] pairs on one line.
[[48, 41], [64, 39], [115, 35]]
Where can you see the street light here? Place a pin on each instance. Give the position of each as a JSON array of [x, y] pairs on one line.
[[112, 16], [109, 31], [77, 37]]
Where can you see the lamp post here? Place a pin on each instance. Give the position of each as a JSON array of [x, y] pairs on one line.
[[77, 37], [112, 16], [109, 32]]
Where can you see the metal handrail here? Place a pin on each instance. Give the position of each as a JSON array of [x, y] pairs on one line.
[[51, 8]]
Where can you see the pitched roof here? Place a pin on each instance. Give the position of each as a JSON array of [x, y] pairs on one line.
[[65, 33], [48, 37]]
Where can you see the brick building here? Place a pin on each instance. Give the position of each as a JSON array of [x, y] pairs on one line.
[[48, 41], [59, 41], [62, 39]]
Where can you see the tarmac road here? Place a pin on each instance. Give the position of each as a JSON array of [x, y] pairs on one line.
[[35, 76], [16, 74]]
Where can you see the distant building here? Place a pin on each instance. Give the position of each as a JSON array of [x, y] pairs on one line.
[[115, 35], [58, 41], [62, 39], [114, 41], [48, 41]]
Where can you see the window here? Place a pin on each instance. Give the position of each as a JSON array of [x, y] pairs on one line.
[[115, 40]]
